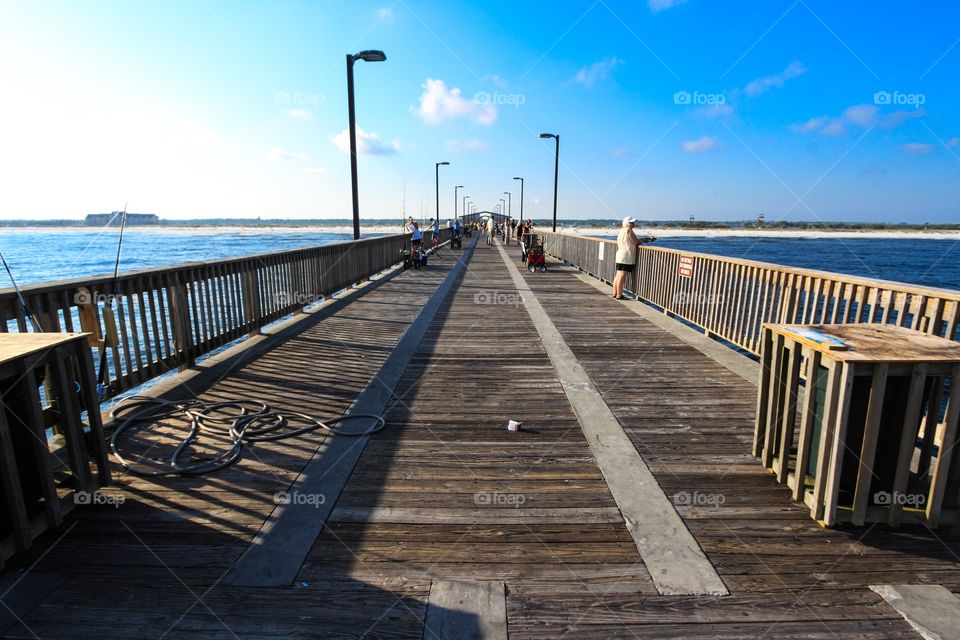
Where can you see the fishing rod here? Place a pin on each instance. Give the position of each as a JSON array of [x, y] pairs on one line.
[[103, 388], [23, 301]]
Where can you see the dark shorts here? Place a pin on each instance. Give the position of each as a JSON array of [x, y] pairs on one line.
[[625, 267]]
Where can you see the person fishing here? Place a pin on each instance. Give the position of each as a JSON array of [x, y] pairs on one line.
[[435, 240], [627, 243], [416, 236]]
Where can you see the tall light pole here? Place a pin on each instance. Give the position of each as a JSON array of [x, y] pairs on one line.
[[369, 56], [464, 207], [455, 189], [521, 196], [503, 207], [556, 172], [438, 188]]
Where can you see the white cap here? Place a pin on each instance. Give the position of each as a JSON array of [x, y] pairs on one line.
[[628, 220]]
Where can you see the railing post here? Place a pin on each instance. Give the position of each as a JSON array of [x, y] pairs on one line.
[[180, 321], [250, 289]]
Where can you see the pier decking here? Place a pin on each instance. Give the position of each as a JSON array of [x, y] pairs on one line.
[[530, 526]]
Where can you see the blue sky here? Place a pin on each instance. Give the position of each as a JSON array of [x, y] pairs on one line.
[[807, 109]]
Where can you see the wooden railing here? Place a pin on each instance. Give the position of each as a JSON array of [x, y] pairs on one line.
[[731, 298], [158, 320]]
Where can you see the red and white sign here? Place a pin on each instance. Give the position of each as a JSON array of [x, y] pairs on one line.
[[685, 267]]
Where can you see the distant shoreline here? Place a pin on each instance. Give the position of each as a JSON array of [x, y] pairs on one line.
[[382, 229]]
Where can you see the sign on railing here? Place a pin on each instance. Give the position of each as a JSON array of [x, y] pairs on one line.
[[731, 298]]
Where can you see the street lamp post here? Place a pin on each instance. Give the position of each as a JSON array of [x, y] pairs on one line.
[[455, 189], [368, 56], [438, 188], [521, 197], [506, 232], [464, 207], [556, 172]]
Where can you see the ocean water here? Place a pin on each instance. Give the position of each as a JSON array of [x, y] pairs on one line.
[[42, 256], [933, 263]]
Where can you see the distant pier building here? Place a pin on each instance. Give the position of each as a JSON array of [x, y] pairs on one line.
[[133, 219]]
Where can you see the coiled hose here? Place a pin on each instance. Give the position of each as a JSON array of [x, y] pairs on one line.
[[243, 421]]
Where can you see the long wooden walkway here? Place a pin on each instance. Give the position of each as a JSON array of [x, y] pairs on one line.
[[446, 496]]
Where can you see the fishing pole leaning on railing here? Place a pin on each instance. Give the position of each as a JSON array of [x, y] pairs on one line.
[[23, 301], [104, 389]]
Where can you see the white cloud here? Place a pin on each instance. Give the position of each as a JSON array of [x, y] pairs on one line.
[[862, 115], [917, 148], [659, 5], [315, 171], [367, 143], [439, 103], [953, 143], [300, 114], [588, 76], [719, 110], [277, 154], [810, 125], [897, 118], [495, 79], [859, 115], [706, 143], [762, 85], [471, 144], [619, 153], [385, 14]]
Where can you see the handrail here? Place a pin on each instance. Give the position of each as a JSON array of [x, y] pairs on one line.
[[731, 297], [158, 320]]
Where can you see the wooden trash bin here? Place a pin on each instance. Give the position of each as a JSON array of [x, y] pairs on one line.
[[860, 421], [43, 478]]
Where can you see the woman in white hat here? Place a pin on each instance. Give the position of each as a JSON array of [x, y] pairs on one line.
[[627, 243]]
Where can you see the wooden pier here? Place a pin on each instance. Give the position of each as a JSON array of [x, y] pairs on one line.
[[446, 524]]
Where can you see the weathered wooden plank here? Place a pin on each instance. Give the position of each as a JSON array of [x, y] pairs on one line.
[[460, 610]]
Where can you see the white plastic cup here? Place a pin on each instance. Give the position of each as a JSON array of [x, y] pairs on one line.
[[513, 425]]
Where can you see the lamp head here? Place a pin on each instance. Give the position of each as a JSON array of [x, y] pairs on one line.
[[517, 178], [442, 163], [459, 186], [371, 55], [548, 135]]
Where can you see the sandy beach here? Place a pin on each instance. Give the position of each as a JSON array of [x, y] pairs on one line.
[[380, 229]]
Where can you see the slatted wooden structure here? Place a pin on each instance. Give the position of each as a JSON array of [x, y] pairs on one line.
[[446, 493], [41, 480], [731, 298], [870, 435], [158, 320]]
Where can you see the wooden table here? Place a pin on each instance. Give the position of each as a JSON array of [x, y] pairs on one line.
[[36, 490], [849, 417]]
